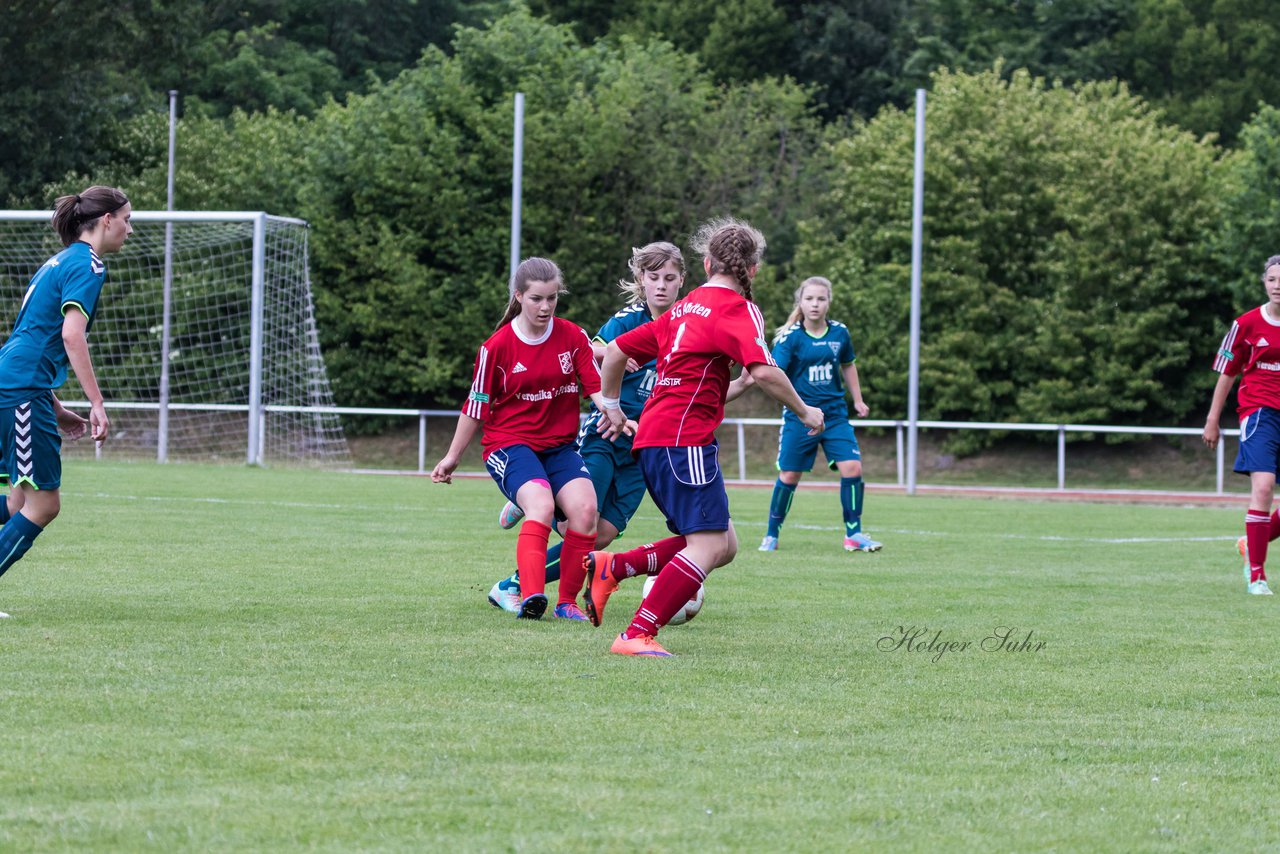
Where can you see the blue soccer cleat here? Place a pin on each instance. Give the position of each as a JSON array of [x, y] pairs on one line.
[[570, 611], [769, 544], [533, 607]]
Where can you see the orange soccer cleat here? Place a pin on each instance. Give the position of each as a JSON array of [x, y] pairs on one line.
[[600, 583], [642, 645]]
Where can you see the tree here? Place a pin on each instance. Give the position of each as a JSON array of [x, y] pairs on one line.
[[1066, 279]]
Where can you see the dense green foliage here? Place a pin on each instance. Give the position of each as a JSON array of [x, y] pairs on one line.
[[1069, 224], [1067, 277], [72, 72]]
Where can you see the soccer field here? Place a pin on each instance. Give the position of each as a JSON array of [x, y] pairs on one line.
[[222, 658]]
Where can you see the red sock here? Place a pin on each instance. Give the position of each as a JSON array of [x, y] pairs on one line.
[[647, 559], [677, 583], [531, 557], [1257, 529], [572, 573], [1275, 524]]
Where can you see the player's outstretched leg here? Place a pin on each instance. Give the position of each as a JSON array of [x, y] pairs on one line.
[[1257, 530], [779, 507], [851, 491]]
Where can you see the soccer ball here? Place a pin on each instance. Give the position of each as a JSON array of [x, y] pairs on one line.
[[685, 614]]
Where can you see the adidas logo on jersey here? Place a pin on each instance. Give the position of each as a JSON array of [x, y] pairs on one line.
[[518, 368]]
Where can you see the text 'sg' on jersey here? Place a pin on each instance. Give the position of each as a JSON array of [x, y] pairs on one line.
[[695, 343], [526, 390]]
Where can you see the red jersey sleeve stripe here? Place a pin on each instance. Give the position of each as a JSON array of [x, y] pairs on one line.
[[1223, 360], [474, 407], [758, 319]]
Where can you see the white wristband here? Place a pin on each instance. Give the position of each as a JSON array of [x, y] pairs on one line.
[[610, 402]]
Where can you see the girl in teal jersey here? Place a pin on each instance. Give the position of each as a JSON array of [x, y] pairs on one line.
[[50, 335], [817, 355]]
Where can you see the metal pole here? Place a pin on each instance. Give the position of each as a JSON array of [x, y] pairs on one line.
[[255, 339], [422, 443], [897, 432], [162, 428], [1221, 463], [1062, 458], [517, 180], [917, 238], [742, 452]]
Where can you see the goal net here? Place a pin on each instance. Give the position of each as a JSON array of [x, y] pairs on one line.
[[235, 373]]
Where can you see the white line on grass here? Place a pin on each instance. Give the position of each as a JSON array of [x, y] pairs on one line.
[[739, 522]]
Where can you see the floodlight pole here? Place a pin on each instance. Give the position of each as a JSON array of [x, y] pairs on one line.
[[162, 428], [517, 179], [917, 239]]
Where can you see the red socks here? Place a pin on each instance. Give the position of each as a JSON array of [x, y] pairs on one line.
[[1257, 531], [531, 558], [677, 583], [572, 572], [647, 559]]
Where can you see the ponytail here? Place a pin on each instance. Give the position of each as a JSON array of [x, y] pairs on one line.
[[733, 247], [74, 215]]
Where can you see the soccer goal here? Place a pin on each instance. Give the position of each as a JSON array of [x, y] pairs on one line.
[[205, 340]]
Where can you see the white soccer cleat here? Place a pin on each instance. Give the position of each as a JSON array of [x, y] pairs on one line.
[[769, 544], [1259, 587], [506, 595], [861, 543]]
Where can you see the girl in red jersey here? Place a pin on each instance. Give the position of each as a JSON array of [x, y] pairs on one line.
[[695, 343], [1251, 351], [529, 376]]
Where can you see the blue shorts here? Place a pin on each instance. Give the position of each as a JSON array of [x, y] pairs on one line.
[[514, 466], [1259, 442], [617, 479], [687, 486], [30, 445], [797, 449]]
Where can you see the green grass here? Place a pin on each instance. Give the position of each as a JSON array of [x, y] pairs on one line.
[[235, 659]]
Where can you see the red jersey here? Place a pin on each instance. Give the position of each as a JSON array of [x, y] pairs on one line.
[[695, 343], [1251, 351], [526, 390]]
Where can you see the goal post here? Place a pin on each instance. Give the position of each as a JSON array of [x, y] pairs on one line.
[[204, 341]]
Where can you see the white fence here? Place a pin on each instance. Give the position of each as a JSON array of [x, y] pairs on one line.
[[740, 425]]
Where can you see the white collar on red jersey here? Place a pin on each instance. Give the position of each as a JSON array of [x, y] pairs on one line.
[[520, 333]]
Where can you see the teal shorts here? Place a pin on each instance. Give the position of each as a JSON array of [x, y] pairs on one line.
[[30, 445]]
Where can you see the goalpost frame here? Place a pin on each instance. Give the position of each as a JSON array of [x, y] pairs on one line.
[[259, 219]]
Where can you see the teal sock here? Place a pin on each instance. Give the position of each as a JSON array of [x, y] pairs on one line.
[[780, 506], [4, 510], [553, 563], [16, 537], [851, 504]]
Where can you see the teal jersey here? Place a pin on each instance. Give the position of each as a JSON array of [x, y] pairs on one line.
[[637, 386], [34, 357], [814, 364]]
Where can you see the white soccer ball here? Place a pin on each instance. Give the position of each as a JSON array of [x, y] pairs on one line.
[[685, 614]]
